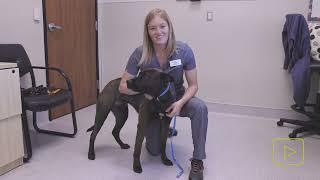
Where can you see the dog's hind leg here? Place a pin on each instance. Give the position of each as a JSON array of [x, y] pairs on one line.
[[121, 114], [101, 115]]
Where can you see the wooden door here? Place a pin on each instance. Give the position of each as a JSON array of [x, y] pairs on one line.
[[71, 44]]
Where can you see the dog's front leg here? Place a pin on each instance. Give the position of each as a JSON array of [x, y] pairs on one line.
[[144, 115], [137, 149], [165, 123]]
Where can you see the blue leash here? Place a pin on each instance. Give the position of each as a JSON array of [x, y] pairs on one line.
[[173, 130], [172, 150]]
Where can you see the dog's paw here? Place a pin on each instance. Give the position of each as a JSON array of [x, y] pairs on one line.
[[91, 156], [125, 146], [167, 162], [137, 167]]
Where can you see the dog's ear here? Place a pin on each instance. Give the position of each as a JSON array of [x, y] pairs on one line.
[[166, 77]]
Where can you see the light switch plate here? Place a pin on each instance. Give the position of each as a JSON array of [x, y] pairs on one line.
[[36, 14], [209, 15]]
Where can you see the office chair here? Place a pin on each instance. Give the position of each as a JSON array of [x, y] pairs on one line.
[[312, 111], [37, 101], [296, 43]]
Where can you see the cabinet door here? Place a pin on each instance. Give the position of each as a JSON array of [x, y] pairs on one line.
[[11, 142], [10, 101]]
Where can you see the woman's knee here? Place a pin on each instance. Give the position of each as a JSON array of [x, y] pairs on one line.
[[196, 107], [202, 107]]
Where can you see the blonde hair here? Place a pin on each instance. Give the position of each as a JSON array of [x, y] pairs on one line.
[[147, 47]]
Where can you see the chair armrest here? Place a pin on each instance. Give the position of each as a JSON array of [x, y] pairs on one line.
[[57, 70]]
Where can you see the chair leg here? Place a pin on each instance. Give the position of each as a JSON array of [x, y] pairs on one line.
[[314, 124], [311, 125], [74, 122], [26, 136], [292, 121], [298, 131]]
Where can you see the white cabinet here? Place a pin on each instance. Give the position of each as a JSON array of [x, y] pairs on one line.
[[11, 138]]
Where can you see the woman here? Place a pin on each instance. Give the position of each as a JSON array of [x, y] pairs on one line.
[[160, 50]]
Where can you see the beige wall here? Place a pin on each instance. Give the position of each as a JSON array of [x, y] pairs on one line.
[[18, 26], [239, 54]]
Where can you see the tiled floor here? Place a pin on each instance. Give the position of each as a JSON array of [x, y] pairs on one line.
[[238, 148]]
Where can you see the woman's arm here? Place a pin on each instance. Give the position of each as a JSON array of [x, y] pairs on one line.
[[123, 84], [191, 77]]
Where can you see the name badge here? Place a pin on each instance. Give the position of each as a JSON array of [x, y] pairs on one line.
[[174, 63]]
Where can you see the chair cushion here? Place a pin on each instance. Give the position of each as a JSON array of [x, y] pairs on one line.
[[45, 102]]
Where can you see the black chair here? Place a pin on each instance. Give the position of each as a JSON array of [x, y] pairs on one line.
[[37, 102], [296, 43], [312, 111]]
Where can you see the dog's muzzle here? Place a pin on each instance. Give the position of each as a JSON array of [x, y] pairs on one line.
[[132, 85]]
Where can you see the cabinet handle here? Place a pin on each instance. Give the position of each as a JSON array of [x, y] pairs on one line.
[[13, 71]]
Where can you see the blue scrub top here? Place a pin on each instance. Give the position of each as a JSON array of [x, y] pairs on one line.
[[183, 54]]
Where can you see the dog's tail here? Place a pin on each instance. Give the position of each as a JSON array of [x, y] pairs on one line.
[[90, 129]]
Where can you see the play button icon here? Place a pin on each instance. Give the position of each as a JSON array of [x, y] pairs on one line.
[[288, 152]]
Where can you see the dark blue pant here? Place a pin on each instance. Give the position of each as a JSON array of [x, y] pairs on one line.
[[197, 111]]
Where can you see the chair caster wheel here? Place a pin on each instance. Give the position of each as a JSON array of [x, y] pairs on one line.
[[291, 135], [280, 123]]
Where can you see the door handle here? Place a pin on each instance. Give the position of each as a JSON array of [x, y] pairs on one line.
[[52, 27]]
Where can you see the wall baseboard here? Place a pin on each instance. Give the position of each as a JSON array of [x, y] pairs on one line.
[[218, 108], [255, 111]]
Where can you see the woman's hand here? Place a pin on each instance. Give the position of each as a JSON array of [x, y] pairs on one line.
[[174, 109], [123, 89]]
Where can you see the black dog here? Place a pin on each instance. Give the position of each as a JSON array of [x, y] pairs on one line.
[[153, 82]]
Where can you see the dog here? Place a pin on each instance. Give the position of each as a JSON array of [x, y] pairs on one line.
[[153, 82]]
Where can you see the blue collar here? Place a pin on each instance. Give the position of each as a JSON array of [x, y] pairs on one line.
[[166, 90]]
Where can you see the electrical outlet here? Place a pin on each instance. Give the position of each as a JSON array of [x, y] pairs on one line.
[[209, 15]]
